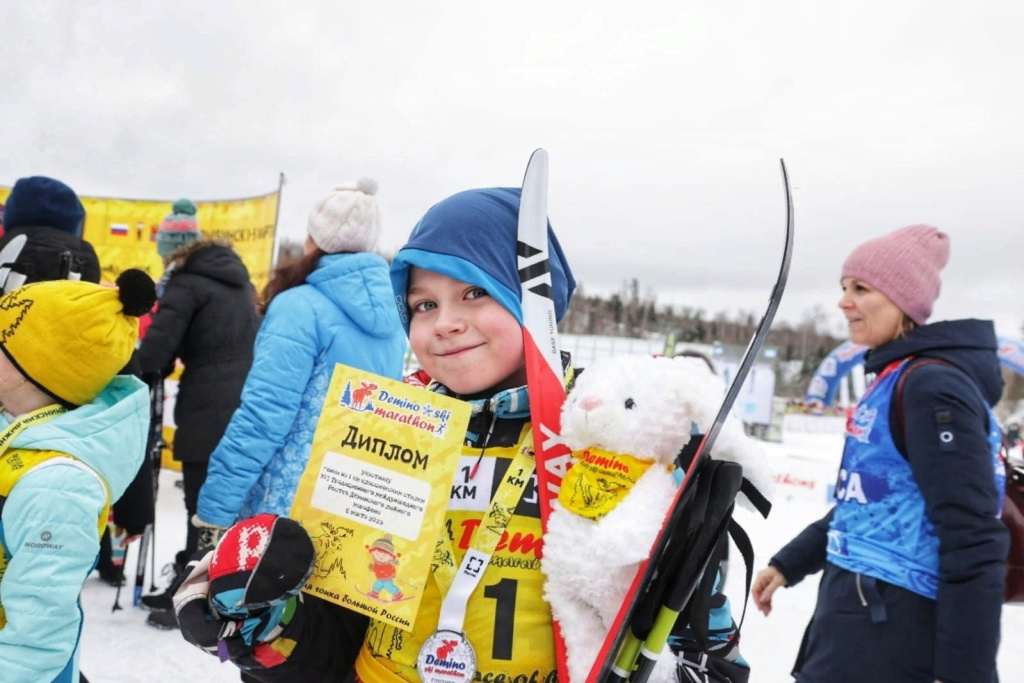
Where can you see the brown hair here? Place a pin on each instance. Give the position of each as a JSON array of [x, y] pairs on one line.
[[289, 274]]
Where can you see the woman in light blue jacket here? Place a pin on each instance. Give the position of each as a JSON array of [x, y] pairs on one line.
[[335, 305]]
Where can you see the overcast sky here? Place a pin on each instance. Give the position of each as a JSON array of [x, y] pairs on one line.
[[664, 121]]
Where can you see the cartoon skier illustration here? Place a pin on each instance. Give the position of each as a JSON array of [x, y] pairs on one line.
[[384, 568]]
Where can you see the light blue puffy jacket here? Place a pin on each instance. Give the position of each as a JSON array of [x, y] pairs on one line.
[[50, 527], [343, 313]]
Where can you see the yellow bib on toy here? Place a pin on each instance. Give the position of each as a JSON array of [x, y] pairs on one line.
[[599, 481]]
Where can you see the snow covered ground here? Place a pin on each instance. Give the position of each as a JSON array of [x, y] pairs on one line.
[[120, 648]]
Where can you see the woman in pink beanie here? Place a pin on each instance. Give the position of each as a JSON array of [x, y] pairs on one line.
[[913, 550]]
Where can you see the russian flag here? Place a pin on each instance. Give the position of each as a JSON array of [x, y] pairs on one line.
[[118, 228]]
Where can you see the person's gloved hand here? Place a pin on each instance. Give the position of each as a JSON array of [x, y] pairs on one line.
[[209, 534], [190, 595], [232, 597]]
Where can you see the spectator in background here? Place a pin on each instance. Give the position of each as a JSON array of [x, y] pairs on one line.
[[205, 318], [334, 305], [913, 551], [43, 221]]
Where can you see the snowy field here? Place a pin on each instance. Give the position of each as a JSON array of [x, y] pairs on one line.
[[119, 647]]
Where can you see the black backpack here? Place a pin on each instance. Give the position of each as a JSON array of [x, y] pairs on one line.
[[39, 254]]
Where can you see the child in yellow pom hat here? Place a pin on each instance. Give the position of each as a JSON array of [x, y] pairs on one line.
[[72, 435]]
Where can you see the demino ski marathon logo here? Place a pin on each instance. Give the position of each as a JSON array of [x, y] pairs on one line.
[[438, 663], [369, 397]]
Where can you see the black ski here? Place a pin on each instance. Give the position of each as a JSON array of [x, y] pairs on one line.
[[621, 647]]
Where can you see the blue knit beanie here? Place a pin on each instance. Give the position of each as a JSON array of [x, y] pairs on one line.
[[38, 201], [178, 228], [471, 237]]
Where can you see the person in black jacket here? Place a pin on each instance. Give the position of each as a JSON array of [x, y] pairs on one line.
[[43, 221], [913, 551], [206, 317]]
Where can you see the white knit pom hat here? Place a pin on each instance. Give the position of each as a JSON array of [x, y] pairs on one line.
[[347, 219]]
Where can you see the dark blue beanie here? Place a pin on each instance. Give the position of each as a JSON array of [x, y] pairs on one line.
[[40, 201]]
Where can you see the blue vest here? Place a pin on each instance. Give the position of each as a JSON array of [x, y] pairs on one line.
[[880, 527]]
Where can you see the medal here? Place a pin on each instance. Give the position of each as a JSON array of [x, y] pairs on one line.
[[446, 657]]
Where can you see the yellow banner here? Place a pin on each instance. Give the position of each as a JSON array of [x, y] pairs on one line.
[[123, 231], [374, 492]]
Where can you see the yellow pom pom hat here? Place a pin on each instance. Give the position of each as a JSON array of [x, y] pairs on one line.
[[69, 338]]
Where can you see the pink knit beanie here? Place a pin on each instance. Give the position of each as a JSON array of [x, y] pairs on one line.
[[903, 265]]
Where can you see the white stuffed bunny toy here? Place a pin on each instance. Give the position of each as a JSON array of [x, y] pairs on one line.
[[625, 420]]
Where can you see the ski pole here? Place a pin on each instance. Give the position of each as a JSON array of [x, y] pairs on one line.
[[140, 567], [717, 490], [627, 655], [117, 598], [644, 615], [152, 563], [156, 425], [117, 593]]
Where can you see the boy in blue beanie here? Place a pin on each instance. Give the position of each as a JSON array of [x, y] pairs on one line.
[[457, 288]]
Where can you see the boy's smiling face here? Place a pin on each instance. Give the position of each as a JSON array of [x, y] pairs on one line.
[[461, 336]]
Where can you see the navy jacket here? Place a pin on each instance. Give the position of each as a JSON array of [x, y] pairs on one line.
[[957, 634]]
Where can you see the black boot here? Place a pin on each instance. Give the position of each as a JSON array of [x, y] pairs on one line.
[[163, 619], [157, 602], [162, 601]]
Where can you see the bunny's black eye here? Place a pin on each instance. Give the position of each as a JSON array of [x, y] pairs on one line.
[[630, 403]]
